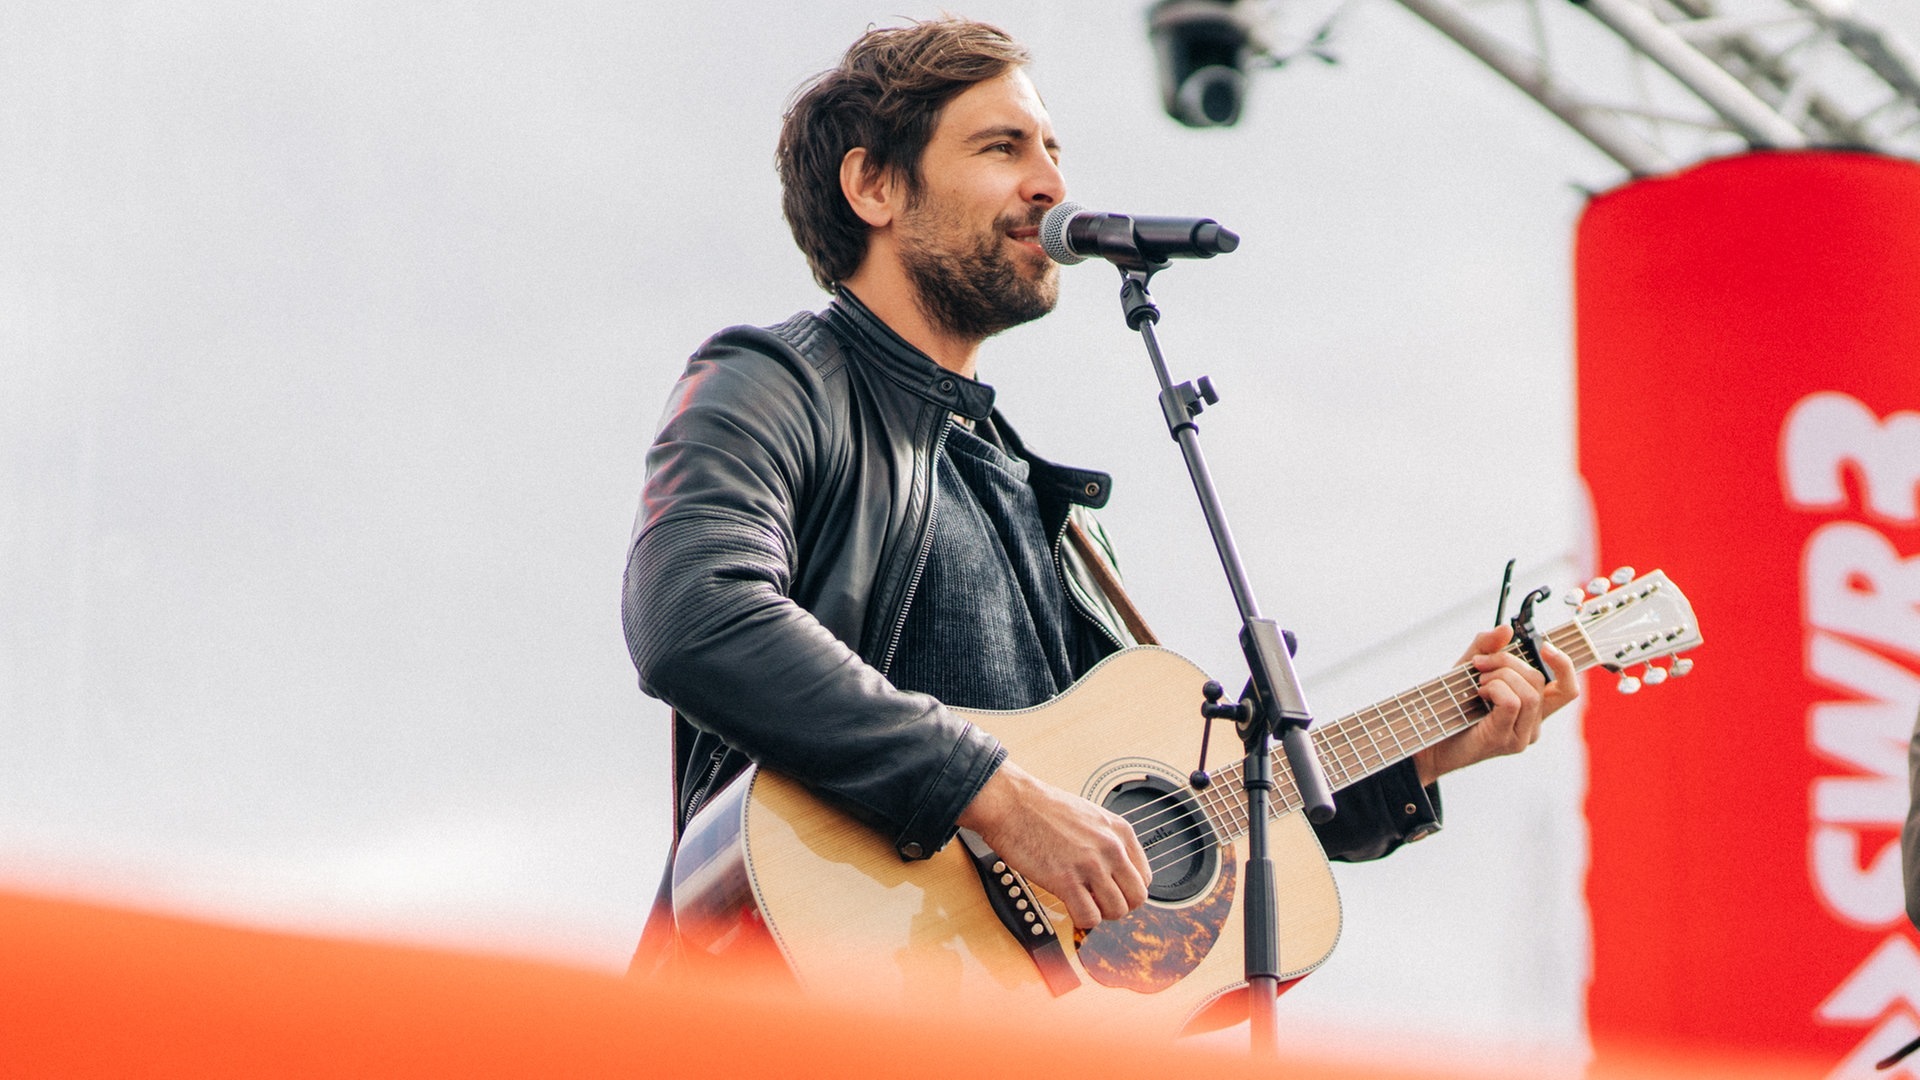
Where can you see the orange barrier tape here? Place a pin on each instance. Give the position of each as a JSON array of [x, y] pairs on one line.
[[87, 991]]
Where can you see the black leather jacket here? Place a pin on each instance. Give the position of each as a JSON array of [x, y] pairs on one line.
[[786, 515], [782, 528]]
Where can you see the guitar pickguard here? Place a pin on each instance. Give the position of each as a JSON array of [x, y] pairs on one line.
[[1157, 946]]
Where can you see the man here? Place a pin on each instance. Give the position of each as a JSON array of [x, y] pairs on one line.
[[840, 537], [1910, 830]]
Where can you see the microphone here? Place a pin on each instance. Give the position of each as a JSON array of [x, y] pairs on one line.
[[1071, 233]]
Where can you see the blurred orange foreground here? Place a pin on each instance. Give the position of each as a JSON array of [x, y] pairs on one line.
[[91, 991]]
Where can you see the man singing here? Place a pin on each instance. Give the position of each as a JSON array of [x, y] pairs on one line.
[[840, 536]]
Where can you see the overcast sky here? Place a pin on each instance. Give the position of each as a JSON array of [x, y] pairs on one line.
[[333, 338]]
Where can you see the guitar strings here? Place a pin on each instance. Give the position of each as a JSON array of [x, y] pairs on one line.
[[1353, 761], [1215, 810], [1461, 695], [1350, 758], [1346, 751]]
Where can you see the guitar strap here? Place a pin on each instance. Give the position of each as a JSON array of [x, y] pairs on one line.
[[1109, 583]]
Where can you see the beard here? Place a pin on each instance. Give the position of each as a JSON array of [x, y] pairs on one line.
[[974, 289]]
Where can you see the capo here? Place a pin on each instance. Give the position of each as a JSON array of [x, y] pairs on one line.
[[1527, 636]]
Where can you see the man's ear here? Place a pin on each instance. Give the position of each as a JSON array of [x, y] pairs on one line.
[[873, 193]]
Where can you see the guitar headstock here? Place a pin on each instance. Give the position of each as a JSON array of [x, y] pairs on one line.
[[1637, 620]]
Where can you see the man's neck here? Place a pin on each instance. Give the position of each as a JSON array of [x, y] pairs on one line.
[[893, 300]]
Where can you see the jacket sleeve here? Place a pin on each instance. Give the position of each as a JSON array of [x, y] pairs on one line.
[[713, 629], [1378, 814]]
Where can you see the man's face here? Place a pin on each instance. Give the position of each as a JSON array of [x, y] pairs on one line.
[[969, 237]]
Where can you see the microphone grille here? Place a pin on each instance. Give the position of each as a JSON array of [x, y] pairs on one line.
[[1053, 233]]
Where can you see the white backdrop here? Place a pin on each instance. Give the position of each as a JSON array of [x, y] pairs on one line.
[[332, 340]]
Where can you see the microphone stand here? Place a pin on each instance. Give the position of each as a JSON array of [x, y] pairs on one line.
[[1274, 703]]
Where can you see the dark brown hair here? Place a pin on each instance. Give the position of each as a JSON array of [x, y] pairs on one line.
[[886, 95]]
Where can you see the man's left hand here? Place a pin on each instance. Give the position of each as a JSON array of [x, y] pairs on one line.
[[1519, 700]]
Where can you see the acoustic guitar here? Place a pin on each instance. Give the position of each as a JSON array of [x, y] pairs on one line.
[[768, 871]]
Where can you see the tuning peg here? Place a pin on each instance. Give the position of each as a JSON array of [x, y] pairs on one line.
[[1681, 665], [1573, 597], [1655, 676], [1627, 685], [1622, 575], [1598, 585]]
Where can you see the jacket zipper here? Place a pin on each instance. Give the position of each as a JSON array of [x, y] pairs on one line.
[[701, 792], [926, 548]]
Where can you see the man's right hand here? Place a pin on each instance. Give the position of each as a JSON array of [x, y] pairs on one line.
[[1086, 856]]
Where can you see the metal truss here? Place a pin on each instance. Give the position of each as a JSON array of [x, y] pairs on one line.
[[1658, 84], [1701, 78]]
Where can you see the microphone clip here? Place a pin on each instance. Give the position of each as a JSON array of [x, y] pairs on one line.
[[1135, 303]]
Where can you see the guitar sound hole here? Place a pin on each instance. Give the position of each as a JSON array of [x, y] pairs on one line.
[[1180, 845]]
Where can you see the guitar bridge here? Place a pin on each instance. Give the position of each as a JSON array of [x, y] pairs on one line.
[[1020, 912]]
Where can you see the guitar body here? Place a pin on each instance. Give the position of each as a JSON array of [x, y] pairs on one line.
[[766, 869]]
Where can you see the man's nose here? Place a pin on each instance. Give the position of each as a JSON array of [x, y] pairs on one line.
[[1047, 185]]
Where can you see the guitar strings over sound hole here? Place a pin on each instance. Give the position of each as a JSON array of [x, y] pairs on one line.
[[1180, 845]]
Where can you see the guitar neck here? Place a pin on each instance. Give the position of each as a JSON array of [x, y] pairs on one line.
[[1360, 744]]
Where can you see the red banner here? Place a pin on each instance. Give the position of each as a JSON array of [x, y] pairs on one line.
[[1749, 387]]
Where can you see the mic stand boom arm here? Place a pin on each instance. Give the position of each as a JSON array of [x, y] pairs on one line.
[[1277, 704]]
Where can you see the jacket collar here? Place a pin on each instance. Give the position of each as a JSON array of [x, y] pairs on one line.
[[903, 363], [1088, 487]]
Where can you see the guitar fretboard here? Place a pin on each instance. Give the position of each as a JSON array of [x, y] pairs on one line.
[[1360, 744]]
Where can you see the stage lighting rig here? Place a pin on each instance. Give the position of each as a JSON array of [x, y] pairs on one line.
[[1204, 49]]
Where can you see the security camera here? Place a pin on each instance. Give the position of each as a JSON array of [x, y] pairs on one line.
[[1202, 47]]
